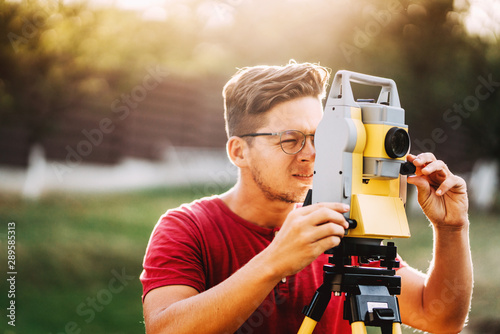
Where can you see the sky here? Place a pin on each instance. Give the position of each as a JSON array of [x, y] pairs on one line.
[[483, 17]]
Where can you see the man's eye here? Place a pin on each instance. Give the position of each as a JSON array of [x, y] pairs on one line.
[[289, 141]]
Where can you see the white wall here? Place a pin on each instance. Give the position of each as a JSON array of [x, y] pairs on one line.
[[180, 166]]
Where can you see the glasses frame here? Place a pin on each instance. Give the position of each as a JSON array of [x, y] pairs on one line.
[[256, 134]]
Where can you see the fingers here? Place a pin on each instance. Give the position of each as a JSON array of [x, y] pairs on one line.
[[446, 185], [321, 213], [422, 159], [433, 172], [326, 230], [339, 207], [436, 166], [420, 182], [330, 224], [320, 225], [454, 183], [328, 243], [427, 164], [307, 232]]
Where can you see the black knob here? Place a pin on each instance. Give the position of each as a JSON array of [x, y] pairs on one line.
[[407, 168]]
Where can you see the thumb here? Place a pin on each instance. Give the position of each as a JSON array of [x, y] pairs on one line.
[[422, 184]]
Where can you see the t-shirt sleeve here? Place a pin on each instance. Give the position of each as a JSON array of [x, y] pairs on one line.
[[173, 255]]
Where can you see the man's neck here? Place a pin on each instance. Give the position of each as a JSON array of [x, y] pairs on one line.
[[254, 207]]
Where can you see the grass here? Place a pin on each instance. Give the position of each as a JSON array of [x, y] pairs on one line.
[[484, 232], [71, 249]]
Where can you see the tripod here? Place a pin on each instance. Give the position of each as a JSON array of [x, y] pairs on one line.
[[370, 292]]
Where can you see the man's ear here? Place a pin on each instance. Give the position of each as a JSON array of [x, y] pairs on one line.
[[237, 150]]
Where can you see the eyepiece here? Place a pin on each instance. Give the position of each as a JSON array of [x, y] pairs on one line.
[[397, 142]]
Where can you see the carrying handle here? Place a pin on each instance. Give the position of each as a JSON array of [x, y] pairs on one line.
[[341, 88]]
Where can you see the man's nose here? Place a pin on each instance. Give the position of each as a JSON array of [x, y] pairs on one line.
[[308, 152]]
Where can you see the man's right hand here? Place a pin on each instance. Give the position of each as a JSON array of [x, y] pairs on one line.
[[307, 233]]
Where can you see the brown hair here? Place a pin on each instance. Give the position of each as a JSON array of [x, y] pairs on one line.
[[254, 90]]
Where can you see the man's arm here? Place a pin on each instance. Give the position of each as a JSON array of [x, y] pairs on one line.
[[439, 301], [306, 233], [223, 308]]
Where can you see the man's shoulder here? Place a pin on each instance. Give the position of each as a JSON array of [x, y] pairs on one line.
[[201, 205], [199, 210], [189, 219]]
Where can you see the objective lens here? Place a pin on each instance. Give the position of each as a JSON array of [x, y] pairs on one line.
[[397, 142]]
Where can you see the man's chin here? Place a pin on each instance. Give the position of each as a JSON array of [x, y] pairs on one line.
[[289, 198], [299, 196], [296, 193]]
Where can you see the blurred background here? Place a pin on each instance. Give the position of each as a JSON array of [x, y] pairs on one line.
[[111, 113]]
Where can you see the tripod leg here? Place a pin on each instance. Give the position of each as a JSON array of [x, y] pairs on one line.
[[358, 327], [307, 326], [396, 328], [315, 310]]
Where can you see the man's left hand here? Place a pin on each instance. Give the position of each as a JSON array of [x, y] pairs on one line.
[[441, 194]]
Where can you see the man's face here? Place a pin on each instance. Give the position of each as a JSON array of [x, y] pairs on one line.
[[280, 176]]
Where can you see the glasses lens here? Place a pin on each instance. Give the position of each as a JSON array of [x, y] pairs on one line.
[[292, 141]]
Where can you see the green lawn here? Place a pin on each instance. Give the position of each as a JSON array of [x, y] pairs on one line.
[[485, 246], [78, 259]]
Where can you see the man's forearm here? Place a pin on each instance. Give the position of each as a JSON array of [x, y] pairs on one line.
[[448, 289], [224, 307]]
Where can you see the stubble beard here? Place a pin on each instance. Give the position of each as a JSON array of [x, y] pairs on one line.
[[273, 195]]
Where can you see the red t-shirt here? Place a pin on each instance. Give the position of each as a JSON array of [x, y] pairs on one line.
[[203, 243]]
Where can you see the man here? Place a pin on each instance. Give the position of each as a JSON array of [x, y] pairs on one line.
[[248, 260]]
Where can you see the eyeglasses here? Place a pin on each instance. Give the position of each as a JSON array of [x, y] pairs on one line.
[[291, 141]]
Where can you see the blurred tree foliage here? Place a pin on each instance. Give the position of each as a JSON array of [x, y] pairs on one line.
[[54, 54]]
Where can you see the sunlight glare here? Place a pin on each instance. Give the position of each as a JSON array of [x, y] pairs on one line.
[[483, 19]]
